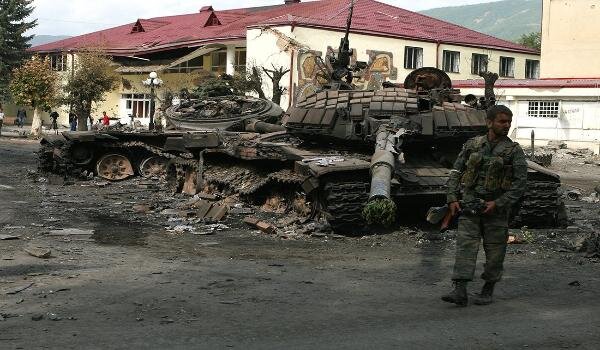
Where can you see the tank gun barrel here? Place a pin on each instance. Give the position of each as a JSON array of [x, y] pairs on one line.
[[255, 125], [382, 165]]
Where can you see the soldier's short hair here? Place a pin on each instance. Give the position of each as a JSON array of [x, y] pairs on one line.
[[493, 112]]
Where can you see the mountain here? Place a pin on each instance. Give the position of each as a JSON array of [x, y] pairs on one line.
[[44, 39], [507, 19]]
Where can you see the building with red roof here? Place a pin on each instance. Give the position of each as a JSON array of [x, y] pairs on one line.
[[293, 35]]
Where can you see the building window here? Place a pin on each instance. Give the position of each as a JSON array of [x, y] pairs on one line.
[[532, 69], [137, 105], [451, 61], [413, 57], [507, 67], [479, 63], [240, 60], [218, 62], [58, 62], [544, 109]]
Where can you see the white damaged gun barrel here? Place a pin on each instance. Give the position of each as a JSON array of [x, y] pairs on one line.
[[383, 164]]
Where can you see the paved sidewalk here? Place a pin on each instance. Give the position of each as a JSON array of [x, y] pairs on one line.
[[13, 131]]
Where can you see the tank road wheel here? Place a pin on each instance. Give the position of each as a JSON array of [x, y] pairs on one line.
[[154, 166], [82, 154], [114, 167]]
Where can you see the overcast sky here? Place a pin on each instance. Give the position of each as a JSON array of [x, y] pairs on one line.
[[75, 17]]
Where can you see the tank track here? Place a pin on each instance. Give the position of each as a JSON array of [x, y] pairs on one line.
[[343, 205], [541, 206], [248, 180], [54, 158], [176, 170]]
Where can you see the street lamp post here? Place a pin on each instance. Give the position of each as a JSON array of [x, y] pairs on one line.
[[152, 81]]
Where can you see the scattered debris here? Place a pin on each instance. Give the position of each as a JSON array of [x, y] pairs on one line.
[[514, 239], [19, 289], [241, 211], [169, 212], [38, 252], [261, 225], [573, 195], [211, 229], [70, 232], [142, 208], [182, 229], [53, 317]]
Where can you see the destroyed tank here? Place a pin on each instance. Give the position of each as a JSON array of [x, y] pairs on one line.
[[119, 152], [412, 135]]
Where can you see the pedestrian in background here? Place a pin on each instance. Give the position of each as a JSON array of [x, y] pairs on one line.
[[105, 119], [54, 117], [73, 121], [1, 119], [21, 117]]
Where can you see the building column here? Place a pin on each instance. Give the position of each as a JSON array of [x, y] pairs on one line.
[[230, 68]]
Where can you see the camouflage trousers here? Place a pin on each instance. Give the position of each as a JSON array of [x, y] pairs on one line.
[[493, 230]]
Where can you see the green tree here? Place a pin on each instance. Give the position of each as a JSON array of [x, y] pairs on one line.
[[13, 41], [35, 84], [93, 77], [532, 40]]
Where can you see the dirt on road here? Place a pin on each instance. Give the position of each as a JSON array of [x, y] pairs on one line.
[[120, 277]]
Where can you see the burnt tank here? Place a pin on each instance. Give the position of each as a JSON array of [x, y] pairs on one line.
[[119, 152]]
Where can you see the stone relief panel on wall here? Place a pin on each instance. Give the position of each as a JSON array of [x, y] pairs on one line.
[[380, 68]]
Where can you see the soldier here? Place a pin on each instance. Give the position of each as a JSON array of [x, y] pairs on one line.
[[490, 170]]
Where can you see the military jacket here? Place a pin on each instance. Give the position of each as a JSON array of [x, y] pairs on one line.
[[490, 171]]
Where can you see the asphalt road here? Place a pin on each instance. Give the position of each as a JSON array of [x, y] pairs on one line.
[[133, 286]]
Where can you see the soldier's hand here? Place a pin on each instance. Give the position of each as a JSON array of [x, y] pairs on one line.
[[454, 208], [489, 207]]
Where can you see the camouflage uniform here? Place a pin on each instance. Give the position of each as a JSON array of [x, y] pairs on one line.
[[490, 172]]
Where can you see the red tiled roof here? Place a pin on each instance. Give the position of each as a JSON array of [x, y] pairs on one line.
[[370, 17], [531, 83]]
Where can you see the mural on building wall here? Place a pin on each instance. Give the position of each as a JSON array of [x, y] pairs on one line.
[[380, 68], [307, 70]]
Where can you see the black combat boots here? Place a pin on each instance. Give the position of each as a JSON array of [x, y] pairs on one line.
[[459, 295], [485, 298]]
